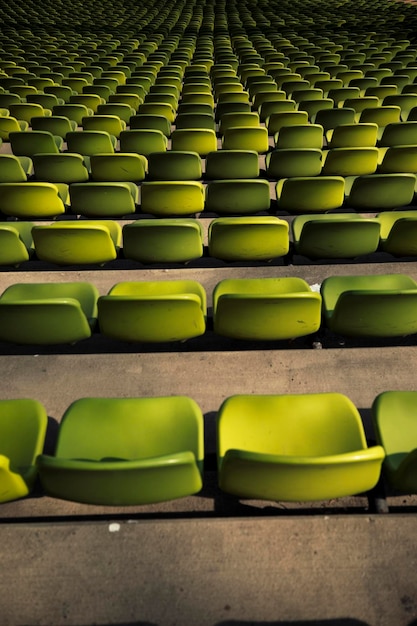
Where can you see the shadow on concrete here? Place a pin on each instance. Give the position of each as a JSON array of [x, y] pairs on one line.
[[342, 621]]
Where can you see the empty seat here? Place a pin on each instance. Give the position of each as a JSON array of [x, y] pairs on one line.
[[143, 141], [33, 199], [310, 194], [398, 159], [334, 235], [11, 125], [237, 196], [200, 140], [77, 241], [398, 232], [15, 169], [89, 142], [170, 240], [104, 199], [55, 124], [23, 424], [394, 422], [152, 122], [175, 165], [48, 313], [377, 192], [26, 110], [399, 134], [246, 138], [259, 238], [125, 451], [370, 306], [265, 308], [358, 135], [34, 142], [171, 198], [16, 244], [381, 115], [289, 162], [294, 447], [74, 112], [159, 311], [108, 123], [350, 161], [223, 164], [118, 167], [276, 121], [65, 167]]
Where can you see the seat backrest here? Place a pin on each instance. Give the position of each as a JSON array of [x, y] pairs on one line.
[[23, 424]]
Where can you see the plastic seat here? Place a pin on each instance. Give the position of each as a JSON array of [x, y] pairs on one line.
[[398, 232], [34, 142], [381, 115], [89, 142], [25, 111], [15, 169], [23, 424], [237, 196], [170, 240], [160, 311], [377, 192], [312, 107], [301, 447], [200, 140], [175, 165], [104, 199], [276, 121], [406, 102], [55, 124], [394, 422], [225, 164], [238, 119], [248, 238], [350, 161], [155, 122], [228, 106], [288, 162], [398, 159], [331, 118], [370, 306], [246, 138], [75, 242], [126, 451], [158, 108], [16, 244], [60, 168], [123, 111], [358, 135], [400, 134], [265, 308], [143, 141], [33, 199], [48, 313], [60, 91], [132, 100], [110, 124], [171, 198], [118, 167], [91, 100], [299, 136], [195, 120], [334, 235], [74, 112], [309, 194]]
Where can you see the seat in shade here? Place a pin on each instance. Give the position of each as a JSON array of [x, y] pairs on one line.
[[398, 232], [265, 308], [398, 159], [77, 241], [26, 110], [170, 240], [301, 136], [174, 165], [399, 134], [34, 142], [237, 196], [331, 118], [246, 138], [200, 140], [259, 238], [195, 120], [66, 167], [23, 424], [370, 306], [152, 122], [171, 198], [75, 112], [104, 199], [296, 447], [276, 121], [354, 161], [89, 142], [289, 162], [358, 135], [334, 235], [16, 244], [126, 451], [310, 194], [55, 124], [143, 141], [15, 169], [378, 192], [223, 164], [33, 199], [394, 420], [108, 123], [118, 167], [48, 313], [381, 115], [153, 311]]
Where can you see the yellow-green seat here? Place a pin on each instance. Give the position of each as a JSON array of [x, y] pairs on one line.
[[34, 142], [381, 115], [351, 161], [155, 122], [23, 424], [223, 164], [171, 198], [153, 311], [55, 124], [331, 118], [195, 120], [200, 140], [60, 91], [310, 194], [89, 142], [118, 109], [370, 306], [16, 244], [334, 235], [377, 192], [288, 162], [358, 135], [237, 196], [246, 138], [265, 308], [126, 451], [143, 141], [398, 232], [15, 169], [395, 424], [90, 100], [66, 167], [276, 121], [398, 159], [295, 447], [240, 119], [26, 110], [158, 108], [226, 106], [77, 241], [259, 238], [118, 167], [72, 111], [33, 199], [48, 313], [175, 165], [104, 199], [169, 240], [301, 136], [108, 123], [269, 107], [399, 134]]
